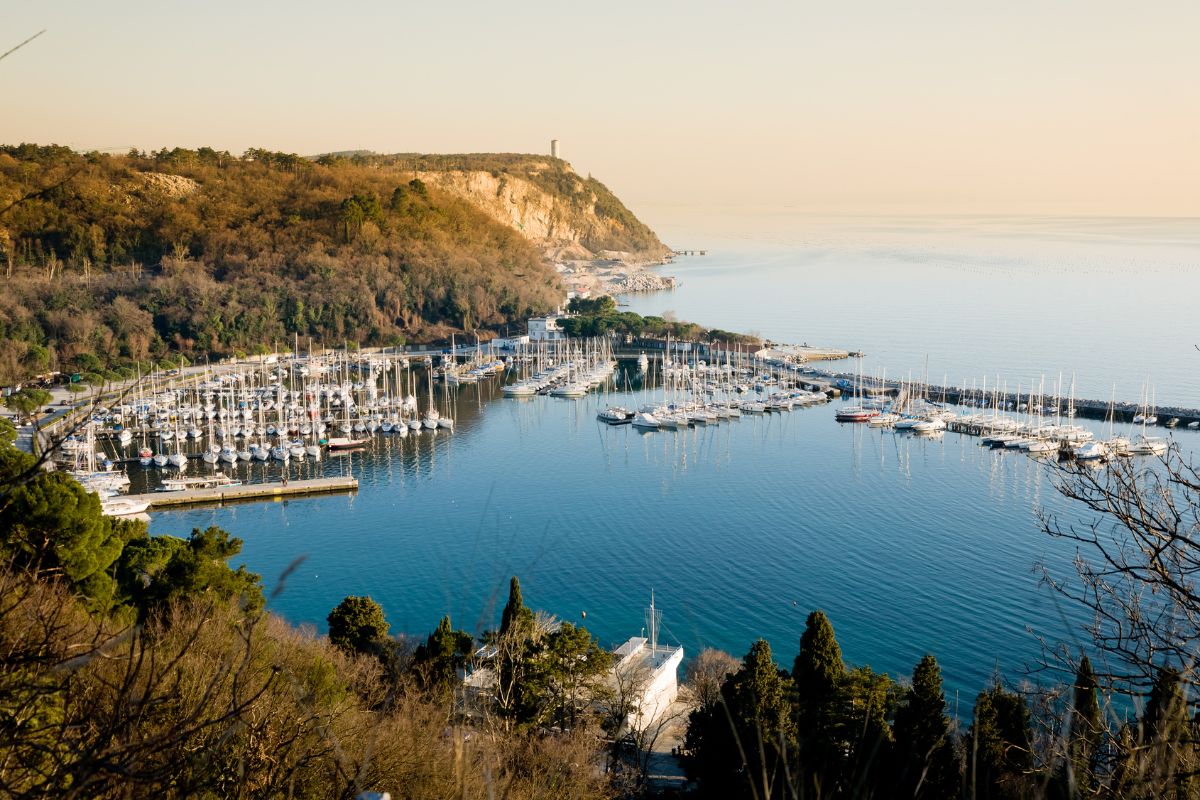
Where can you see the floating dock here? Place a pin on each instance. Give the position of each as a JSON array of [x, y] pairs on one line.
[[274, 490]]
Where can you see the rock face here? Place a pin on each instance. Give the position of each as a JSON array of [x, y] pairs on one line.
[[171, 185], [567, 217]]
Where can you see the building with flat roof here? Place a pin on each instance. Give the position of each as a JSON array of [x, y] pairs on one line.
[[546, 329]]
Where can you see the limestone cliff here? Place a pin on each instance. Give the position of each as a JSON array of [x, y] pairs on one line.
[[567, 216]]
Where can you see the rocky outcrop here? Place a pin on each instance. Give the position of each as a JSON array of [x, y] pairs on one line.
[[564, 215], [175, 186]]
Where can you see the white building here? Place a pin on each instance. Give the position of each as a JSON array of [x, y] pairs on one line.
[[646, 675], [546, 329]]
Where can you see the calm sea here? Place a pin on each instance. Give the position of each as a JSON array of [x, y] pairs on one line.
[[911, 545]]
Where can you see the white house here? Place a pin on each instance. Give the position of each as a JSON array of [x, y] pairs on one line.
[[546, 329]]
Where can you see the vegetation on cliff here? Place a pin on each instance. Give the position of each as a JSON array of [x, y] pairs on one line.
[[111, 259], [584, 204]]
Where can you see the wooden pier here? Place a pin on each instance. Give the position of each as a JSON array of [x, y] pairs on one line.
[[274, 490]]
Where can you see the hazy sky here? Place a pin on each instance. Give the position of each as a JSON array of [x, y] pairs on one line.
[[1071, 107]]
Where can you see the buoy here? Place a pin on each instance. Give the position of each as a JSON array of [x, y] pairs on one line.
[[584, 614]]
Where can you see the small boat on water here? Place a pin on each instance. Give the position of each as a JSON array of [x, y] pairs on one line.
[[345, 443], [616, 415], [216, 481], [1149, 446], [855, 414], [646, 421], [122, 506], [1091, 451]]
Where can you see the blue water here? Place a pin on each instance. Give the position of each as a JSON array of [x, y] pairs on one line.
[[1015, 299], [910, 545]]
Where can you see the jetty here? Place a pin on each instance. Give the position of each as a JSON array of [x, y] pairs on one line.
[[1120, 411], [272, 490]]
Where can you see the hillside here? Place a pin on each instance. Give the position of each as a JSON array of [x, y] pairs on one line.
[[111, 259], [563, 214]]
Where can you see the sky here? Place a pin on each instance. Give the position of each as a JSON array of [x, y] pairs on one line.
[[1084, 108]]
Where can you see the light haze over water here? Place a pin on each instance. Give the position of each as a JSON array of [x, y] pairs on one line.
[[1112, 301]]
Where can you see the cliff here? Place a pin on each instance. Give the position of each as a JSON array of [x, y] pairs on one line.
[[566, 216]]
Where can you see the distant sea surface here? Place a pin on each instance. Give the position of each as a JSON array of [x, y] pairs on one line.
[[911, 545], [1020, 300]]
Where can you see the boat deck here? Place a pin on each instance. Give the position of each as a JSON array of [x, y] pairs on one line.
[[248, 491]]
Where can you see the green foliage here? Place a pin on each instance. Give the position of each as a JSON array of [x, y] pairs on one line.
[[594, 306], [740, 746], [599, 317], [1158, 757], [925, 761], [27, 401], [1086, 734], [357, 625], [563, 673], [516, 618], [8, 432], [53, 526], [818, 672], [182, 252], [437, 662], [155, 571], [998, 745]]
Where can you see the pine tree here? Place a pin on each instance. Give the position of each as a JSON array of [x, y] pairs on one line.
[[925, 760], [1086, 733], [357, 625], [818, 673]]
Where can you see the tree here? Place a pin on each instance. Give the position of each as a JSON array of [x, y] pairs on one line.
[[1136, 581], [925, 762], [740, 746], [818, 672], [155, 571], [357, 625], [706, 672], [516, 618], [53, 526], [27, 401], [437, 662], [998, 749], [1136, 570], [1160, 760], [563, 675], [1085, 734]]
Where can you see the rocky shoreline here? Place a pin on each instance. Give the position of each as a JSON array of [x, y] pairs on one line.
[[617, 273]]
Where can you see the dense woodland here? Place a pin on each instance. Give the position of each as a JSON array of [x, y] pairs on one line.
[[114, 259]]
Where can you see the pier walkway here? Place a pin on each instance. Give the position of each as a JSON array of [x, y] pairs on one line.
[[251, 491]]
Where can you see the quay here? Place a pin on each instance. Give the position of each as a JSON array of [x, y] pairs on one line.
[[273, 490], [1008, 401]]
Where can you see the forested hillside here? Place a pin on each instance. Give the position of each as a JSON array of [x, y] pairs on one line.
[[111, 259], [564, 213]]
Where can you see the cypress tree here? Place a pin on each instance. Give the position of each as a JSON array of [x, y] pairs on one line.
[[738, 747], [819, 672], [1165, 741], [998, 744], [437, 661], [515, 612], [925, 761], [1086, 733]]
